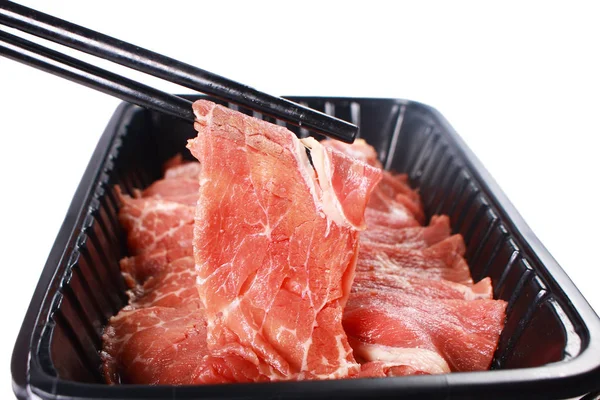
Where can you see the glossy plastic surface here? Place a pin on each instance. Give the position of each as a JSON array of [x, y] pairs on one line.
[[550, 347]]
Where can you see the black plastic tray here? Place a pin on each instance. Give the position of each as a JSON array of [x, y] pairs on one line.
[[550, 347]]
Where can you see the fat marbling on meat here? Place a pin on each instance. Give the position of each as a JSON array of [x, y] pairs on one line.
[[275, 244]]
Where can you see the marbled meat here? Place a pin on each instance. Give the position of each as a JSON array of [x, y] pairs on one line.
[[275, 245]]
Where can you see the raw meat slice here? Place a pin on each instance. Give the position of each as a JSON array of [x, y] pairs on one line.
[[417, 286], [173, 286], [155, 345], [176, 167], [359, 150], [441, 261], [428, 363], [189, 170], [417, 237], [274, 274], [179, 190], [394, 184], [155, 224], [137, 269], [380, 201], [398, 218], [427, 335]]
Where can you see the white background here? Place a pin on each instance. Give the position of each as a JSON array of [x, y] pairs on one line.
[[520, 82]]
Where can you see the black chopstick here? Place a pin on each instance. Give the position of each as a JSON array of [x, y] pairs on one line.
[[100, 45], [48, 60]]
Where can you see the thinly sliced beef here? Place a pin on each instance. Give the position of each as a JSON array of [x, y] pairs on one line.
[[275, 254], [180, 190], [421, 286], [359, 150], [394, 184], [173, 286], [413, 307], [275, 245], [137, 269], [160, 336], [441, 261], [189, 170], [380, 201], [155, 224], [417, 237], [427, 335], [398, 218], [155, 345]]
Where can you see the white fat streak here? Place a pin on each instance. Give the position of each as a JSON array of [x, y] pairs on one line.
[[166, 294], [165, 206], [343, 366], [230, 307], [420, 359], [306, 346], [329, 204], [283, 329]]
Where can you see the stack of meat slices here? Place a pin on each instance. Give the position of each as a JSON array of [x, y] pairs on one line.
[[160, 336], [275, 242], [414, 308]]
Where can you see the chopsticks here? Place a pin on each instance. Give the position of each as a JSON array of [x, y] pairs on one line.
[[140, 59], [56, 63]]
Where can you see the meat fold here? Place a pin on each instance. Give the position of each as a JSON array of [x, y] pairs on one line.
[[160, 336]]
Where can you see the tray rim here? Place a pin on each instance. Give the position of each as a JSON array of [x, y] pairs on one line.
[[580, 368]]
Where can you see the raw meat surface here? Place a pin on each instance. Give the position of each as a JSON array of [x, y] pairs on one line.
[[154, 345], [417, 237], [179, 190], [274, 274], [359, 150], [173, 286], [442, 260], [189, 170], [454, 335], [275, 263], [155, 224], [413, 307], [138, 268], [160, 336]]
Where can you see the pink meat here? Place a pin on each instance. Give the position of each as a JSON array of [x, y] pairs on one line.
[[138, 268], [398, 218], [155, 224], [427, 335], [173, 286], [394, 184], [179, 190], [154, 345], [421, 286], [417, 237], [189, 170], [441, 261], [160, 336], [274, 273], [176, 167], [359, 150], [413, 308]]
